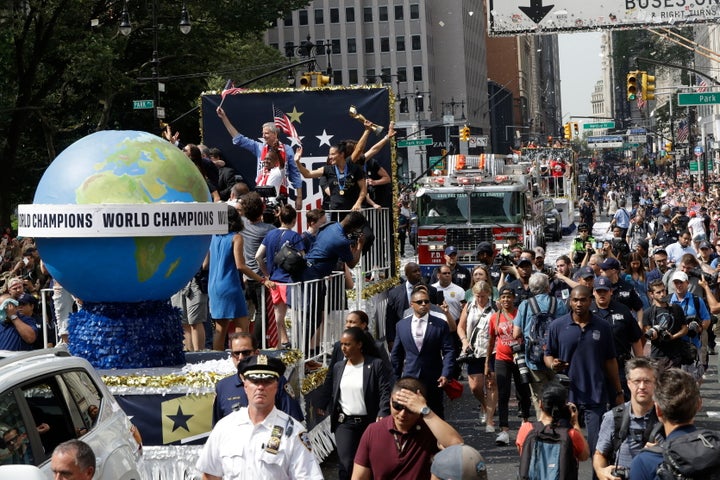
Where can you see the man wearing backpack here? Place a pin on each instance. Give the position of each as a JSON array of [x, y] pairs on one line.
[[525, 326], [626, 429], [687, 452]]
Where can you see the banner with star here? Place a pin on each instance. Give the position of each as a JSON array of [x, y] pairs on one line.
[[320, 118], [171, 418]]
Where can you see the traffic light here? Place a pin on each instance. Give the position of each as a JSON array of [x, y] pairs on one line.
[[576, 129], [321, 80], [465, 134], [567, 131], [668, 147], [306, 80], [648, 86], [632, 85]]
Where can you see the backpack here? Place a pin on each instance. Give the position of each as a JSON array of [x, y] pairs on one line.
[[289, 258], [692, 456], [547, 454], [621, 421], [539, 321]]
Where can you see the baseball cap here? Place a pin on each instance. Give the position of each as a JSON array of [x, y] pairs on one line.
[[586, 272], [523, 261], [459, 462], [27, 299], [484, 247], [602, 283], [261, 367], [450, 250], [691, 214], [506, 289], [609, 264], [453, 389], [705, 244], [680, 276], [539, 252], [511, 235]]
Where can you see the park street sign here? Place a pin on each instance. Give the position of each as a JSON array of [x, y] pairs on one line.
[[415, 142], [708, 98], [596, 126], [143, 104], [510, 17]]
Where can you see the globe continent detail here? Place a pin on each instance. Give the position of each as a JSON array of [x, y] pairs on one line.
[[122, 167]]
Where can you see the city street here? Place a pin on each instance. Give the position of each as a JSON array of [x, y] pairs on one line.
[[503, 462]]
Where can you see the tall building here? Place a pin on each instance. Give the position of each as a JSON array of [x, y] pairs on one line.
[[432, 53]]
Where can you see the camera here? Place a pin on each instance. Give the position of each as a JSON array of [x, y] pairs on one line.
[[661, 332], [620, 472], [504, 260], [519, 358], [710, 279], [693, 326], [467, 356]]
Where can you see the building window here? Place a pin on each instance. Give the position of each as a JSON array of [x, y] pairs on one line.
[[399, 12], [350, 14], [386, 75], [417, 74], [404, 105], [351, 46], [400, 43], [352, 77], [303, 17], [414, 11], [319, 16], [370, 75], [367, 14], [402, 74], [416, 43], [334, 15], [335, 45], [337, 77], [288, 20], [383, 14], [369, 45], [384, 44]]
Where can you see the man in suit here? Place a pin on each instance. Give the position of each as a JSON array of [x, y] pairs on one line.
[[423, 349], [399, 300]]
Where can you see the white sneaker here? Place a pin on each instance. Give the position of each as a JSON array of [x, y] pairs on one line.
[[503, 438], [490, 428]]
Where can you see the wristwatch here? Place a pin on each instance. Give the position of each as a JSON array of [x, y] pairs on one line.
[[425, 410]]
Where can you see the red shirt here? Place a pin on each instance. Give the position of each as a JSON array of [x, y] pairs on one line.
[[501, 328], [390, 454]]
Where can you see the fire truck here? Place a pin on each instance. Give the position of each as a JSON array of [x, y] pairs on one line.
[[478, 198]]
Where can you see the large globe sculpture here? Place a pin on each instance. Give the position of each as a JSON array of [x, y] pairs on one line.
[[122, 167], [123, 220]]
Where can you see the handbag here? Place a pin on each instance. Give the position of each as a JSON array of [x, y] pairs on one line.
[[289, 259]]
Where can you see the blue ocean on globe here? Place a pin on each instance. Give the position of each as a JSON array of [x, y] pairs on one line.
[[122, 167]]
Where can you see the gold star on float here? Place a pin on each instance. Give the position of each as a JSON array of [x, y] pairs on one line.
[[294, 116]]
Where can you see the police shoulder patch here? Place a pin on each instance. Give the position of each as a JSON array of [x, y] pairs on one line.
[[305, 440]]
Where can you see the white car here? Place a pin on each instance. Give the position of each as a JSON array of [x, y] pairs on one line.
[[48, 397]]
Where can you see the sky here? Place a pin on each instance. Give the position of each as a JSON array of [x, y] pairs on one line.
[[580, 69]]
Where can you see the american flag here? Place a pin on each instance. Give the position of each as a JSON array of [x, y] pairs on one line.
[[701, 84], [230, 89], [641, 101], [683, 131], [283, 123]]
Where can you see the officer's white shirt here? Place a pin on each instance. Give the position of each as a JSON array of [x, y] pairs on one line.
[[237, 449], [454, 296]]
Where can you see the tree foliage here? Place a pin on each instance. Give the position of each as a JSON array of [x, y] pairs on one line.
[[68, 72]]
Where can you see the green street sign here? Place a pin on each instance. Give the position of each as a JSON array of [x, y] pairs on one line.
[[143, 104], [415, 142], [707, 98], [595, 126], [697, 165]]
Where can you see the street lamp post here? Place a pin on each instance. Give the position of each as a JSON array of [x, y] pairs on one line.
[[125, 28], [308, 50]]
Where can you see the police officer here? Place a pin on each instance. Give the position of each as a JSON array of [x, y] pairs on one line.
[[259, 441], [582, 244]]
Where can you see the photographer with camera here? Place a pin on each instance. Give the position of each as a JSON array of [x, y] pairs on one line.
[[664, 325], [583, 245], [626, 429], [509, 363], [697, 317], [17, 332]]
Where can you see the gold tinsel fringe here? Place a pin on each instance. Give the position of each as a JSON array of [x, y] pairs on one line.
[[313, 380]]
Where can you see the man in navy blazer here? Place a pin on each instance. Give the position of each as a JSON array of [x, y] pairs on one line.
[[434, 361], [398, 300]]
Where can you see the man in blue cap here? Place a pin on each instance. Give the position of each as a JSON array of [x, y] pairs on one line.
[[623, 292], [460, 275]]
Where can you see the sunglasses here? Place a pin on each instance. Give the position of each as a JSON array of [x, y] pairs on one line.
[[398, 407], [421, 302], [244, 353]]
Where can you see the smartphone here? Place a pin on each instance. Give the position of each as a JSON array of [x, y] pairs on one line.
[[599, 244], [440, 298]]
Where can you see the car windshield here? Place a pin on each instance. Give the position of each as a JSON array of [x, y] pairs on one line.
[[458, 208]]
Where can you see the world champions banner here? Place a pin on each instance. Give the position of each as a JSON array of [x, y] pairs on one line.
[[320, 117]]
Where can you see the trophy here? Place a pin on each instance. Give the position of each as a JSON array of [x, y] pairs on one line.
[[360, 118]]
